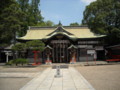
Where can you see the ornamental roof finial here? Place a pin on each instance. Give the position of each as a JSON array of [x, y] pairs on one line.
[[60, 24]]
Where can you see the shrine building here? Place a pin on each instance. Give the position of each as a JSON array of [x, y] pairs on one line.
[[66, 43]]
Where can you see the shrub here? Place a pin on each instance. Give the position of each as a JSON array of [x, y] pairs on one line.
[[10, 62], [21, 61], [16, 61]]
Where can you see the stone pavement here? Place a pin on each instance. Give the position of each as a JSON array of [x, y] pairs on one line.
[[17, 75], [71, 80]]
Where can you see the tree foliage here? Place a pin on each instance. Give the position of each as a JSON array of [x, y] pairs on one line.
[[74, 24], [103, 17], [9, 20], [35, 45], [113, 37], [16, 16], [32, 14], [45, 23], [24, 7], [17, 61], [35, 12], [19, 47]]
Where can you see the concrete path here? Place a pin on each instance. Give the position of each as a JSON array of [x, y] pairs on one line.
[[71, 80]]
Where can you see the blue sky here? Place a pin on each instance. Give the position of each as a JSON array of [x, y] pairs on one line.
[[66, 11]]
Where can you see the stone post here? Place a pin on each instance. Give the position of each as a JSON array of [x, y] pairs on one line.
[[7, 53], [58, 71]]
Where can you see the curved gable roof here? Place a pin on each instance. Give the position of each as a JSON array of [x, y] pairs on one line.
[[45, 32]]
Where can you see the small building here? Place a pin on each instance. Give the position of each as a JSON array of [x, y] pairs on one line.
[[67, 43], [113, 52]]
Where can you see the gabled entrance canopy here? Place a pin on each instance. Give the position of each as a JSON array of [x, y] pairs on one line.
[[72, 46], [60, 31]]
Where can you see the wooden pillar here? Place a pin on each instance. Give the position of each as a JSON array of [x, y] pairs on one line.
[[86, 57], [67, 52], [63, 53], [0, 56], [60, 52], [95, 57], [77, 54], [42, 56], [53, 53], [56, 52]]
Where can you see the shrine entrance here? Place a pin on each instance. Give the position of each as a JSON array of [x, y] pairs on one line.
[[60, 53]]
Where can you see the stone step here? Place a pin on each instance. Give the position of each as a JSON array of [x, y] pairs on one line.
[[61, 66]]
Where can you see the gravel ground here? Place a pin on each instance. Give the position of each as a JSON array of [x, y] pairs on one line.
[[15, 78], [13, 83], [105, 77]]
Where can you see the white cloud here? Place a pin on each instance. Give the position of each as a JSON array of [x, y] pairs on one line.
[[87, 1]]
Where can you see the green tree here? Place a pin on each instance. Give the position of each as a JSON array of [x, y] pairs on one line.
[[34, 12], [74, 24], [16, 16], [36, 45], [32, 15], [9, 20], [46, 23], [113, 37], [24, 7], [49, 23], [19, 47], [103, 17]]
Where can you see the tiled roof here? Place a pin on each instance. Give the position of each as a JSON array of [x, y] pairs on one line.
[[43, 32]]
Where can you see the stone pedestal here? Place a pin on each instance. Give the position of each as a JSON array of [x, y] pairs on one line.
[[58, 74]]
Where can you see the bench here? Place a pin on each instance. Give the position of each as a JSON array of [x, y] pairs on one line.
[[114, 60]]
